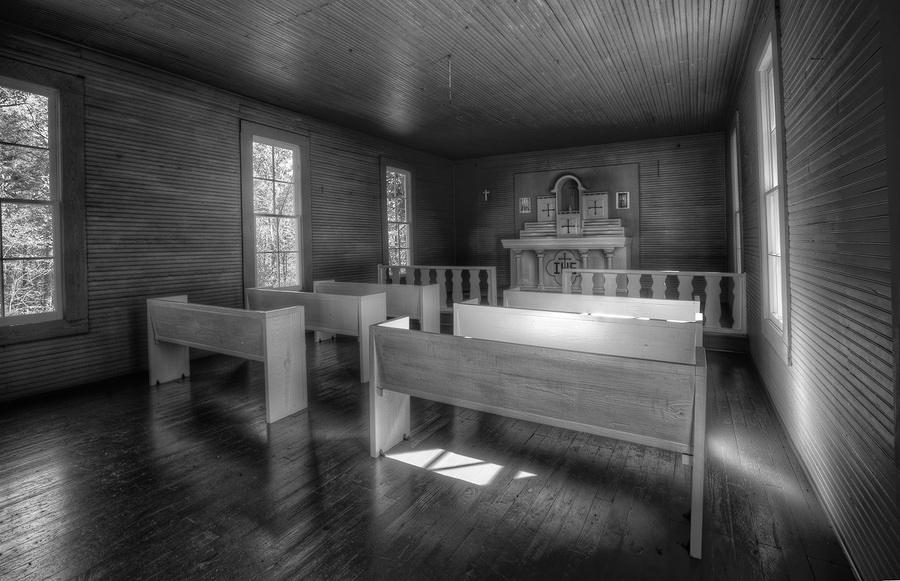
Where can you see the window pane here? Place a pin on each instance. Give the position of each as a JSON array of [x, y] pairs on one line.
[[284, 164], [403, 235], [28, 287], [287, 234], [24, 118], [24, 172], [392, 212], [284, 199], [27, 230], [262, 160], [290, 273], [775, 287], [266, 269], [262, 196], [396, 256], [393, 235], [266, 234], [773, 222]]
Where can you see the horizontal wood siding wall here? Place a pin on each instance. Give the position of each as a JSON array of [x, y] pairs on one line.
[[682, 203], [163, 207], [836, 398]]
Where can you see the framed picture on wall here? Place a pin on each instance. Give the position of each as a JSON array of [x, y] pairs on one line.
[[623, 200], [525, 205]]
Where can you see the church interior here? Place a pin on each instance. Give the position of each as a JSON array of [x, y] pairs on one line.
[[212, 212]]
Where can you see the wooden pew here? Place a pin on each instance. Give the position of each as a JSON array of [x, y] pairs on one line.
[[551, 368], [276, 337], [340, 314], [421, 302], [632, 307]]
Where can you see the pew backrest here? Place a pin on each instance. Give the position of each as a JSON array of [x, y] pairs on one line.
[[643, 339], [347, 313], [418, 301], [633, 307]]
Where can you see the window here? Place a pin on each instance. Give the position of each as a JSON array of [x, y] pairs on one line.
[[398, 217], [771, 202], [29, 202], [275, 219], [42, 258]]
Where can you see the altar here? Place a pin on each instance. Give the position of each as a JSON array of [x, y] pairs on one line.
[[573, 229]]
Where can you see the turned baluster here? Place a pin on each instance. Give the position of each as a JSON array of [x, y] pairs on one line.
[[597, 283], [712, 314], [633, 284], [474, 284], [457, 296], [659, 285], [685, 287]]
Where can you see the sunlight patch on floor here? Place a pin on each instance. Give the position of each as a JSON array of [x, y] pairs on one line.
[[454, 465]]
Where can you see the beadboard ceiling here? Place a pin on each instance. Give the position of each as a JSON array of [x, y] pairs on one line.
[[459, 78]]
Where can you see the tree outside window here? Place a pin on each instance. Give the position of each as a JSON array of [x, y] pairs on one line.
[[275, 214], [397, 194], [28, 202]]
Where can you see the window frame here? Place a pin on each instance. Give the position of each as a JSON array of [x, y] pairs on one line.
[[772, 201], [734, 167], [302, 204], [387, 164], [67, 155]]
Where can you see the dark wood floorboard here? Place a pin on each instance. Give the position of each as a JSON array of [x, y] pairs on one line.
[[186, 481]]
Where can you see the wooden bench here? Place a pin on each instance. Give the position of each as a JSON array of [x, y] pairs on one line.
[[277, 338], [562, 369], [609, 306], [417, 301], [346, 313]]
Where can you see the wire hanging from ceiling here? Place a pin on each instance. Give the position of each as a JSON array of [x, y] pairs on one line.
[[450, 76]]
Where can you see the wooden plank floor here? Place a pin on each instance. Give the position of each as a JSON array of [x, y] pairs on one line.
[[185, 481]]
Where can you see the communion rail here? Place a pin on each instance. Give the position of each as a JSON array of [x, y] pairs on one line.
[[459, 283], [722, 295]]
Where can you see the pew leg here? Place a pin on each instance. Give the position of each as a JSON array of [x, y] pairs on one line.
[[389, 420], [168, 361], [320, 336]]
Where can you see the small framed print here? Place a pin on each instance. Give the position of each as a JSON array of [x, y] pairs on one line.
[[525, 205], [623, 200]]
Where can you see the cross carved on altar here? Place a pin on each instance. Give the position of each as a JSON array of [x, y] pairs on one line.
[[547, 209], [594, 208]]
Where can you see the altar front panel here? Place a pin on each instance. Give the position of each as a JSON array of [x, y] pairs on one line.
[[542, 268]]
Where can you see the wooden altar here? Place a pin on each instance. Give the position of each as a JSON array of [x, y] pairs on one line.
[[573, 230], [538, 262]]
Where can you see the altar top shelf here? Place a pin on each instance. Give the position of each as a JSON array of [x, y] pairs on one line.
[[577, 242]]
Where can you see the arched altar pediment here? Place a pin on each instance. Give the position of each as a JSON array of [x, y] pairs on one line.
[[568, 190]]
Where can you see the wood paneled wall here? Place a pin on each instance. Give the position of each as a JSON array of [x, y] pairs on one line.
[[836, 396], [682, 181], [163, 206]]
